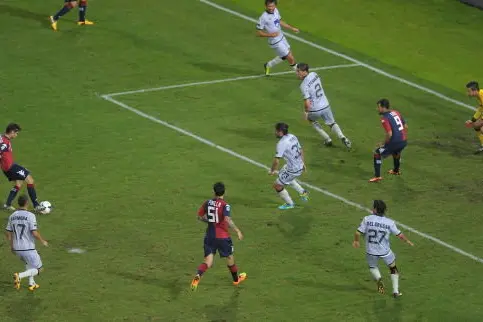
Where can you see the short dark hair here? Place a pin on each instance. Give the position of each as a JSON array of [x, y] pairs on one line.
[[282, 127], [23, 200], [267, 2], [303, 67], [380, 207], [13, 127], [473, 85], [384, 102], [219, 189]]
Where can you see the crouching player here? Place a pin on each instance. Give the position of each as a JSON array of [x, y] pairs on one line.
[[476, 121]]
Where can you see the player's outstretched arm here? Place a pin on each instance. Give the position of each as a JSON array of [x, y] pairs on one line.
[[261, 33], [232, 225], [287, 26], [37, 236], [275, 164], [405, 239], [8, 236], [356, 242]]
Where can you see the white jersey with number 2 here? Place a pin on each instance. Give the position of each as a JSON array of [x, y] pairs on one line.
[[290, 149], [312, 90], [377, 230]]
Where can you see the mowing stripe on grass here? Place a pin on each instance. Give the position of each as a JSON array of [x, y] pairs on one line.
[[260, 165], [234, 79], [341, 55]]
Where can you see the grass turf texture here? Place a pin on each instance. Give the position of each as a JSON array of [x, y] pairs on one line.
[[126, 189]]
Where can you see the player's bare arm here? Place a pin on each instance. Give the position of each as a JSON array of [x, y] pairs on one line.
[[262, 33], [287, 26], [203, 218], [275, 165], [232, 225], [357, 236], [37, 236], [402, 237], [302, 155], [8, 236]]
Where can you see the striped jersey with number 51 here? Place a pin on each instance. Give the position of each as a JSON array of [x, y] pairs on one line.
[[377, 230], [312, 90], [216, 210]]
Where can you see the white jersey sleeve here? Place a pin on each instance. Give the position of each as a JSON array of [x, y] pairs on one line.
[[363, 226], [394, 230], [261, 22]]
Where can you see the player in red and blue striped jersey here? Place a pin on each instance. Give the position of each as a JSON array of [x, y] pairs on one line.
[[395, 141], [217, 214]]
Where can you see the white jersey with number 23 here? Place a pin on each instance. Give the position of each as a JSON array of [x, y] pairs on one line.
[[290, 150]]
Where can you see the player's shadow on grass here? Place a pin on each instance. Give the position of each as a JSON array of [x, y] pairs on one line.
[[454, 148], [23, 13], [325, 285], [291, 226], [173, 285], [226, 312], [25, 309]]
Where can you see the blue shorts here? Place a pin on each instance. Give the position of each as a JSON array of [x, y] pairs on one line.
[[16, 172], [391, 149], [224, 246]]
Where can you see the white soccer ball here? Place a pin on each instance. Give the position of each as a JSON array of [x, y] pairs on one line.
[[46, 207]]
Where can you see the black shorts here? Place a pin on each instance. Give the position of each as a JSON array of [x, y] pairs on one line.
[[391, 149], [224, 246], [16, 173]]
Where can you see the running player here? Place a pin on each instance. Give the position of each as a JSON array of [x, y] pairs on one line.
[[21, 234], [316, 105], [377, 229], [288, 148], [270, 26], [68, 5], [217, 214]]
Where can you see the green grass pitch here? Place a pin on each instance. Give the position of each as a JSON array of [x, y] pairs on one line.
[[126, 187]]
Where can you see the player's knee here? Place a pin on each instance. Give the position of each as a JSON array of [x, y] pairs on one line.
[[29, 179], [393, 269], [83, 2], [278, 187], [396, 155], [71, 4]]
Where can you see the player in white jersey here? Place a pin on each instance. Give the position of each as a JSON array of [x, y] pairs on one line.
[[377, 229], [270, 26], [316, 105], [288, 148], [21, 232]]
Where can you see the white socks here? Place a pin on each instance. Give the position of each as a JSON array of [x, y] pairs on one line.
[[294, 67], [285, 196], [395, 283], [277, 60], [294, 184], [321, 131], [30, 273], [376, 274], [336, 129]]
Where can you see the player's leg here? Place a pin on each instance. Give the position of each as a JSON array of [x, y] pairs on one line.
[[390, 261], [375, 273], [289, 57], [226, 249], [396, 155], [478, 126], [283, 51], [283, 179], [209, 250], [68, 5], [379, 154], [82, 14], [329, 119], [31, 190], [33, 268], [312, 117], [12, 194]]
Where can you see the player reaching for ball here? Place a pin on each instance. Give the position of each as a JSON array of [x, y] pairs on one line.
[[13, 171], [217, 214], [288, 148], [377, 229], [476, 122], [316, 105], [270, 26], [395, 141]]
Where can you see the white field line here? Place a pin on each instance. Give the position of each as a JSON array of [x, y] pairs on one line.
[[234, 79], [260, 165], [338, 54]]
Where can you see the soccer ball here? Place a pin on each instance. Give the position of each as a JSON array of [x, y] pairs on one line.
[[46, 207]]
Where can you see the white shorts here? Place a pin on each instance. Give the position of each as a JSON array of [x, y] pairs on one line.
[[286, 177], [325, 114], [282, 48], [388, 259], [31, 258]]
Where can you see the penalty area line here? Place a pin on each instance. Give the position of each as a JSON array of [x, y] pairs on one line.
[[225, 80], [260, 165]]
